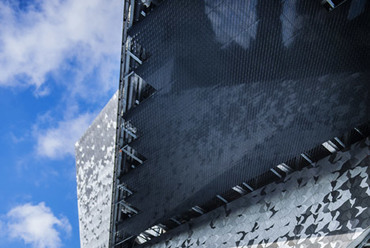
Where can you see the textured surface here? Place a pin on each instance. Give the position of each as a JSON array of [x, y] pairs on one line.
[[323, 206], [95, 162], [241, 87]]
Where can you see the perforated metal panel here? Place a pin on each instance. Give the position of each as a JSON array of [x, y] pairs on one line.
[[241, 86]]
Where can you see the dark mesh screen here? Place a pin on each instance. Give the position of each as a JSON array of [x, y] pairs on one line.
[[241, 87]]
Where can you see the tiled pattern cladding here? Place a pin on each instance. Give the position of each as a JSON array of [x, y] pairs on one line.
[[241, 86], [322, 206], [95, 162]]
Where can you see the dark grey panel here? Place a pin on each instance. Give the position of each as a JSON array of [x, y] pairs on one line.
[[241, 87]]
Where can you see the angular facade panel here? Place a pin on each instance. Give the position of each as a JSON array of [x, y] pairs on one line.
[[94, 166], [240, 87], [322, 206]]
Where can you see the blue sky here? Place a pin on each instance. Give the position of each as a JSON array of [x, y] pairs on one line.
[[59, 65]]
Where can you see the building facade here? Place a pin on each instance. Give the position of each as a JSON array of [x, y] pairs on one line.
[[238, 124]]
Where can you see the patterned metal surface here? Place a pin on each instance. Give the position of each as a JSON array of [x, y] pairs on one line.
[[323, 206], [241, 87], [94, 165]]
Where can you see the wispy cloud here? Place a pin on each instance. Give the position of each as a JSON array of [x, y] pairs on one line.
[[36, 225], [59, 141], [48, 38], [69, 45]]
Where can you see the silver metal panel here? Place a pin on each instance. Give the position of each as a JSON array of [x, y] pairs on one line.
[[94, 165], [323, 206]]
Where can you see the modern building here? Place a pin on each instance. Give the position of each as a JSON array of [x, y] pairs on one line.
[[240, 123]]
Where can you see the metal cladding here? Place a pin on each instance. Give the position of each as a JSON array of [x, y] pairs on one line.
[[94, 168], [217, 93], [322, 206]]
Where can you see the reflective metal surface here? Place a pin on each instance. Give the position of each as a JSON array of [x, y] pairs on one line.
[[241, 86]]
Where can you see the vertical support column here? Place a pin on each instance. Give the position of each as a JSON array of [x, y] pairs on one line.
[[128, 7]]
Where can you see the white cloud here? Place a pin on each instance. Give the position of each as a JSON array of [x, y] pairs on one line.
[[53, 37], [59, 141], [74, 44], [36, 225]]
